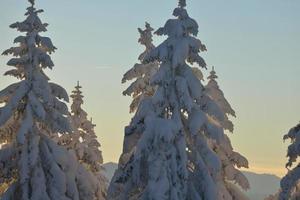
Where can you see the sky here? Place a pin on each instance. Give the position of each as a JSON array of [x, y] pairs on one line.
[[254, 46]]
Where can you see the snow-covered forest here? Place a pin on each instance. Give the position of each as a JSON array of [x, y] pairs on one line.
[[177, 146]]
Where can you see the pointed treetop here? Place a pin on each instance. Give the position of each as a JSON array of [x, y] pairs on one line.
[[77, 94], [182, 3], [213, 74], [78, 86], [146, 36], [32, 2], [147, 31], [77, 98], [184, 24], [148, 27]]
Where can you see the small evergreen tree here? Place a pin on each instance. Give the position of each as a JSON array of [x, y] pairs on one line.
[[33, 165], [231, 160], [83, 141]]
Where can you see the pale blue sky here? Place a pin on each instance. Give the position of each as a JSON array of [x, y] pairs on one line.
[[253, 44]]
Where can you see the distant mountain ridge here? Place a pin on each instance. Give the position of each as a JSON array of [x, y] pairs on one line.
[[110, 169], [262, 185]]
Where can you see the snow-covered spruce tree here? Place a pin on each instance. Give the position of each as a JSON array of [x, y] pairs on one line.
[[33, 165], [141, 72], [173, 158], [290, 184], [231, 161], [83, 141]]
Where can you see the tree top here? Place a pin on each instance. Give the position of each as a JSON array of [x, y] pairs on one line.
[[32, 2], [182, 3], [213, 74], [78, 86]]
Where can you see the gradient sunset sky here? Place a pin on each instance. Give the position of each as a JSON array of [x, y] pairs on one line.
[[254, 46]]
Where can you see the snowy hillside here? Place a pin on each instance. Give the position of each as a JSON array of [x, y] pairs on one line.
[[261, 184]]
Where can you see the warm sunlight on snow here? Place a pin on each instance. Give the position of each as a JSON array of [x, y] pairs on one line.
[[201, 102]]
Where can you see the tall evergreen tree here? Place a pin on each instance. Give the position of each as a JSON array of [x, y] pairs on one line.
[[290, 184], [173, 158], [83, 141], [33, 165]]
